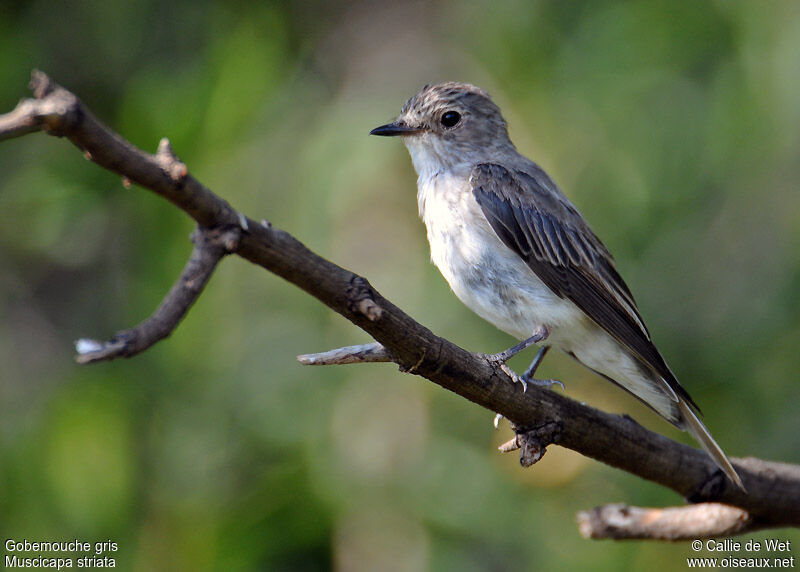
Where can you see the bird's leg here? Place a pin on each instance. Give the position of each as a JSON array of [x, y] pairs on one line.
[[539, 334], [528, 375], [535, 363], [501, 358]]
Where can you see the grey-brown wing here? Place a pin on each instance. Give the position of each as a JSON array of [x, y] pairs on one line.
[[531, 217]]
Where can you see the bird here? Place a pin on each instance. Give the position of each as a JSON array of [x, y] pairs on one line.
[[517, 252]]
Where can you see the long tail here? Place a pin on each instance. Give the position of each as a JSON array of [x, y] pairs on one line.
[[699, 432]]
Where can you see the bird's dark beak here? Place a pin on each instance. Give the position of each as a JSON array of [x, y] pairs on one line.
[[392, 129]]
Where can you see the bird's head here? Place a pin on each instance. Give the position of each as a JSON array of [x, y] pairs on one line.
[[449, 124]]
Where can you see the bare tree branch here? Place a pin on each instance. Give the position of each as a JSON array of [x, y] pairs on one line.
[[619, 521], [532, 442], [210, 245], [774, 488], [363, 353], [26, 118]]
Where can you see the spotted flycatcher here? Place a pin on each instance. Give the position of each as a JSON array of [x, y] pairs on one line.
[[517, 252]]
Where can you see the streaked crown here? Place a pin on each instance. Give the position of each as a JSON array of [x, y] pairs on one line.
[[448, 108], [450, 124]]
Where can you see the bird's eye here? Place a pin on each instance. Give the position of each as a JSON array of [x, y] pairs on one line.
[[450, 118]]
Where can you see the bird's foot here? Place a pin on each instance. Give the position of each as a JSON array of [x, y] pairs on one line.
[[545, 383], [516, 378], [499, 360]]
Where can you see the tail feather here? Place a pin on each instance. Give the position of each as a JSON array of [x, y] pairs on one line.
[[694, 426]]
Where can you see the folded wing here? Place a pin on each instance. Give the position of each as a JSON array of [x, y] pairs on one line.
[[543, 228]]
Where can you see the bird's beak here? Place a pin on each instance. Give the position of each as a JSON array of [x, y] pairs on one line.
[[396, 128]]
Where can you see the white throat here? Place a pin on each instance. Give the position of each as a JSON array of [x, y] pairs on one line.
[[431, 156]]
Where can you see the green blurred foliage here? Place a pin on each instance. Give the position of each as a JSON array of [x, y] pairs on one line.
[[674, 126]]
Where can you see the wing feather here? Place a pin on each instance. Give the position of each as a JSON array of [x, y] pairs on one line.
[[532, 217]]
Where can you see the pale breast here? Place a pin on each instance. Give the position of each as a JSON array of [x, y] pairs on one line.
[[488, 277]]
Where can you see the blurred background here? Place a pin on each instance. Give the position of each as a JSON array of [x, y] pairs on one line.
[[673, 125]]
